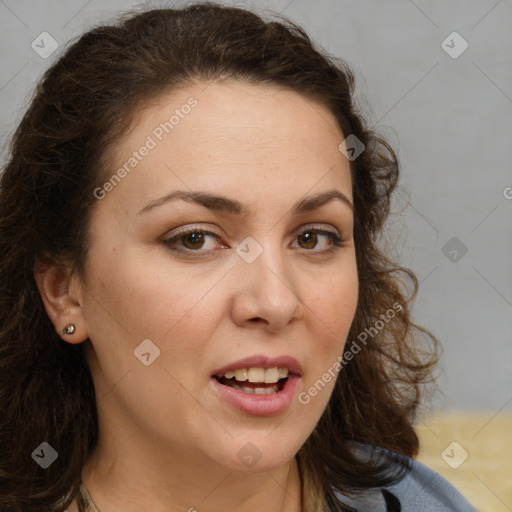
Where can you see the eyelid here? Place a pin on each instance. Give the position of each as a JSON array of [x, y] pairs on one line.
[[319, 225], [191, 228]]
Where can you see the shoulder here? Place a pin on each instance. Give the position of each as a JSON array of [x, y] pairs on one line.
[[421, 489]]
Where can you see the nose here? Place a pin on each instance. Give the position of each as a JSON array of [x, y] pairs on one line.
[[266, 291]]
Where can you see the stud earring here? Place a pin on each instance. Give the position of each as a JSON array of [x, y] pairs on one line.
[[69, 329]]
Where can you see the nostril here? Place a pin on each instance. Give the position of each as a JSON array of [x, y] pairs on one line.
[[258, 319]]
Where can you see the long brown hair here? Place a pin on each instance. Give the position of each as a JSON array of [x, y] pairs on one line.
[[59, 154]]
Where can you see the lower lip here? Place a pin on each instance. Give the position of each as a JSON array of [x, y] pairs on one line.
[[259, 405]]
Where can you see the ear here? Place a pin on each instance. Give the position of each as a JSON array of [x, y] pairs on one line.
[[61, 299]]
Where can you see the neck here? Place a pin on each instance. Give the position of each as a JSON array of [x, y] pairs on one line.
[[118, 483]]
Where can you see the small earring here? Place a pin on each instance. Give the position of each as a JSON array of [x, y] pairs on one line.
[[69, 329]]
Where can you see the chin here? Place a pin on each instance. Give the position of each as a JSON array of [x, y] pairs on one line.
[[259, 456]]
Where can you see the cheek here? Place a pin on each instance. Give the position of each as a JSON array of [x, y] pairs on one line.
[[331, 310], [172, 308], [129, 301], [143, 299], [332, 313], [333, 305]]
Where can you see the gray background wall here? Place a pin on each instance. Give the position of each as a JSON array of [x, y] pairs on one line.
[[449, 117]]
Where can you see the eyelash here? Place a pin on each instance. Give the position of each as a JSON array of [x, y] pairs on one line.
[[337, 241]]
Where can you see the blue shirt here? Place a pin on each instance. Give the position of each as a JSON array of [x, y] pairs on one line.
[[421, 490]]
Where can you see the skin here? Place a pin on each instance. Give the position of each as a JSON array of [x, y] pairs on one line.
[[166, 439]]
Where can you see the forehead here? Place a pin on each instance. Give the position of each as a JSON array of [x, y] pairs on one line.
[[231, 136], [241, 112]]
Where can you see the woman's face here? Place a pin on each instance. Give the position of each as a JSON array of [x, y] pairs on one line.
[[168, 311]]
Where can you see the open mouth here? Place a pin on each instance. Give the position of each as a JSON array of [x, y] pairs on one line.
[[255, 381], [258, 385], [255, 388]]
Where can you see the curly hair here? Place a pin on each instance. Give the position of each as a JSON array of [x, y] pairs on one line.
[[83, 105]]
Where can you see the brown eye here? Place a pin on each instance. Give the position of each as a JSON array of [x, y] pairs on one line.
[[190, 241], [195, 238], [310, 239]]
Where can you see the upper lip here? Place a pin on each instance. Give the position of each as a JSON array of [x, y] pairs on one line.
[[262, 361]]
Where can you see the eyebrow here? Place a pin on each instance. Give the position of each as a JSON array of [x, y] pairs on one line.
[[221, 203]]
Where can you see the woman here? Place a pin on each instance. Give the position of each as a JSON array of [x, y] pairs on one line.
[[195, 313]]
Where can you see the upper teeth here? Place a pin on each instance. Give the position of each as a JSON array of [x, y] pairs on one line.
[[269, 375]]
